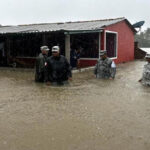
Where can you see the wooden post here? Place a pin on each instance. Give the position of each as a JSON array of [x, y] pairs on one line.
[[44, 39], [67, 46], [8, 49]]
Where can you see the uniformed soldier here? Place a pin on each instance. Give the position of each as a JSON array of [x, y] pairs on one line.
[[41, 64], [58, 68], [105, 67], [146, 72]]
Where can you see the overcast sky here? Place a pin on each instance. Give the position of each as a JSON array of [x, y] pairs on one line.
[[14, 12]]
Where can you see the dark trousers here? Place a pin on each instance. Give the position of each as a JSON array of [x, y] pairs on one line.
[[40, 77]]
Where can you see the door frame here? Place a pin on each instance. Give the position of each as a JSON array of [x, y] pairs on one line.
[[116, 33]]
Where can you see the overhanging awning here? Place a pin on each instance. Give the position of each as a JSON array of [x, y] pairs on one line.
[[83, 31]]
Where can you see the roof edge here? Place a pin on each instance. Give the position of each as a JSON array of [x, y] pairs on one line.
[[129, 24], [72, 21]]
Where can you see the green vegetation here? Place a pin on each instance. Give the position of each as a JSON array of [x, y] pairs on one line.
[[143, 38]]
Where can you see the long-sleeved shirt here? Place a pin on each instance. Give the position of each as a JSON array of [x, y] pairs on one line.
[[58, 69], [40, 68], [104, 69]]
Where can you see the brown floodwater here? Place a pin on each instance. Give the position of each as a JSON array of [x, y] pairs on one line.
[[87, 114]]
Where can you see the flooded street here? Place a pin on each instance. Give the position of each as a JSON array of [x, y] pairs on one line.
[[88, 114]]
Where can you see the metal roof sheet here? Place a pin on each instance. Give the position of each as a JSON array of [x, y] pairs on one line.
[[67, 26], [147, 50]]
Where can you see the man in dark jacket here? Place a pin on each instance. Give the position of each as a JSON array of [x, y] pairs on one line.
[[41, 64], [58, 68]]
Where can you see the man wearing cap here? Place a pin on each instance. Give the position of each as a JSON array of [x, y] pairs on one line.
[[146, 72], [41, 64], [105, 67], [58, 68]]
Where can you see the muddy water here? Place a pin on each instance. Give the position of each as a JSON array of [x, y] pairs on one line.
[[88, 114]]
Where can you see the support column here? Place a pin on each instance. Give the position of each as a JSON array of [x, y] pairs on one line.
[[103, 40], [99, 44], [44, 39], [8, 50], [67, 47]]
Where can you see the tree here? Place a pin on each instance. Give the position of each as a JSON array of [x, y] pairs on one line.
[[143, 38]]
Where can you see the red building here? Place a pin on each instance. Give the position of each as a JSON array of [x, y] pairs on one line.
[[21, 44], [118, 39]]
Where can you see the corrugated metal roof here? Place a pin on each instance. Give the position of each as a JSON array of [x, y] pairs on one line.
[[147, 50], [67, 26]]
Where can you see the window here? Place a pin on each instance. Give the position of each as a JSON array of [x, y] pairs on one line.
[[88, 44]]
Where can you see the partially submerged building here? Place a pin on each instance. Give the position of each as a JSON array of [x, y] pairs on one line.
[[21, 44]]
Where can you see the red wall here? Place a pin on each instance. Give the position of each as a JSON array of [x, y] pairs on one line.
[[125, 51], [125, 41], [87, 63]]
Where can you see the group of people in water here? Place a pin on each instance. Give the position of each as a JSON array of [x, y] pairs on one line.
[[56, 70]]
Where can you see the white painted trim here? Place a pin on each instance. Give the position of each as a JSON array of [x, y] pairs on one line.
[[105, 40], [107, 31], [113, 58], [111, 31], [83, 69]]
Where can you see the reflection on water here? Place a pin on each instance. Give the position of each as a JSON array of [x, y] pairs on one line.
[[87, 114]]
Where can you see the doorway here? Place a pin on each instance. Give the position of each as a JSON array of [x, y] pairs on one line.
[[111, 44]]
